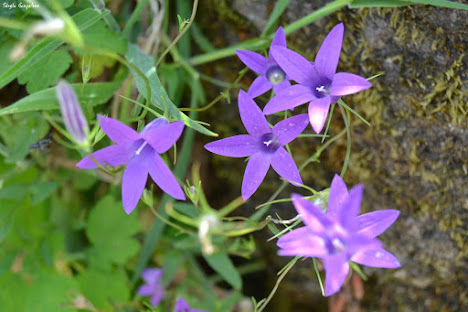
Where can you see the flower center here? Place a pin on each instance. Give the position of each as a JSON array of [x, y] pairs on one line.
[[138, 151], [322, 89], [338, 245], [275, 74], [269, 143]]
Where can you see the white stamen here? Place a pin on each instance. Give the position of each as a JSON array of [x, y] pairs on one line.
[[320, 89], [267, 143], [337, 244], [141, 148]]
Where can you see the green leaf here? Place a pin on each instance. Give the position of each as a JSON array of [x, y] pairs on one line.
[[104, 289], [397, 3], [280, 6], [51, 293], [377, 3], [171, 264], [14, 290], [222, 264], [41, 191], [442, 3], [47, 72], [108, 220], [159, 97], [28, 131], [100, 37], [83, 20], [96, 93]]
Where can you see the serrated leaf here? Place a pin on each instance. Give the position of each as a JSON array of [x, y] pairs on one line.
[[51, 293], [159, 97], [83, 20], [222, 264], [47, 72], [14, 290], [28, 132], [100, 37], [41, 191], [108, 220], [115, 250], [96, 93], [102, 293]]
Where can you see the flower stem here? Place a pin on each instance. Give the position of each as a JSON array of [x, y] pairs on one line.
[[346, 119], [173, 43]]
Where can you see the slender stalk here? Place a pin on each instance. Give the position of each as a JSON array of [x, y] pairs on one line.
[[280, 278], [346, 118], [134, 17], [173, 43], [324, 11]]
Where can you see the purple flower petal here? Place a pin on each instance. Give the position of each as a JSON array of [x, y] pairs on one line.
[[312, 215], [145, 290], [336, 270], [114, 155], [328, 55], [285, 166], [183, 306], [302, 242], [164, 178], [294, 65], [278, 40], [318, 112], [287, 130], [259, 86], [251, 115], [279, 88], [133, 183], [350, 208], [337, 197], [375, 223], [72, 114], [153, 125], [241, 145], [377, 258], [347, 83], [255, 172], [152, 275], [156, 298], [117, 131], [289, 98], [164, 137], [362, 242], [254, 61]]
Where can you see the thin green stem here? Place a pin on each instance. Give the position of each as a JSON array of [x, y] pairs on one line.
[[280, 278], [324, 11], [340, 101], [346, 119], [173, 43], [318, 276], [134, 17]]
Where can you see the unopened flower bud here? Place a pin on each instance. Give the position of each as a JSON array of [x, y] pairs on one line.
[[72, 114], [207, 224], [48, 27]]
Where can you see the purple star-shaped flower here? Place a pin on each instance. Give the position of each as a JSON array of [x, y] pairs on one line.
[[263, 144], [141, 152], [153, 287], [271, 74], [318, 84], [339, 235], [182, 306]]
